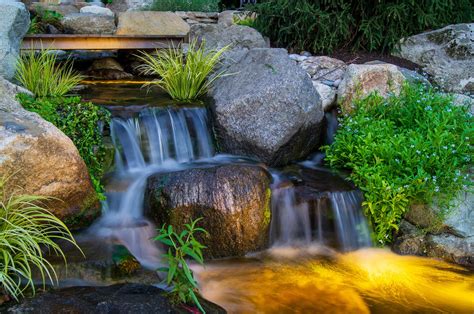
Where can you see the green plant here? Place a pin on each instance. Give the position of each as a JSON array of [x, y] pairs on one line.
[[35, 27], [185, 5], [81, 122], [42, 18], [415, 148], [325, 25], [40, 73], [179, 275], [26, 230], [247, 20], [183, 76]]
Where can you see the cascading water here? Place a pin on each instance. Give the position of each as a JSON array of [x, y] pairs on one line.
[[157, 140], [333, 214]]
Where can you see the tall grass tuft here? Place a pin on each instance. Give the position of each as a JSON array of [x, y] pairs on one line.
[[40, 73], [26, 230], [183, 75]]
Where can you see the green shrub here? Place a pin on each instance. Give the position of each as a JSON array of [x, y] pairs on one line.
[[324, 25], [179, 275], [81, 122], [183, 76], [406, 150], [40, 73], [185, 5], [26, 229], [42, 18]]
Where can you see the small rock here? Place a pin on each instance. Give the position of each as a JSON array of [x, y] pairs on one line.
[[63, 9], [50, 29], [97, 10], [305, 53], [297, 58], [107, 69], [327, 95], [88, 23], [151, 23], [324, 68], [463, 100], [226, 18], [362, 79]]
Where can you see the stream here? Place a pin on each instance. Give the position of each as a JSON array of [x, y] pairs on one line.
[[320, 258]]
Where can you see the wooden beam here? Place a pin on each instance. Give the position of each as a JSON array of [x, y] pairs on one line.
[[99, 42]]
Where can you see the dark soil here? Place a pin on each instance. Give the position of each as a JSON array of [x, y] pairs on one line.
[[359, 57]]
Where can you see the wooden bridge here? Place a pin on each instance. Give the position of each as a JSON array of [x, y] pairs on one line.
[[100, 42]]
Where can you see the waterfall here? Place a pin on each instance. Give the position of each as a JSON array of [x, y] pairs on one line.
[[331, 216], [156, 140]]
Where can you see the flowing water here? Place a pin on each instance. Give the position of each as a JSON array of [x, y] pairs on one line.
[[319, 260]]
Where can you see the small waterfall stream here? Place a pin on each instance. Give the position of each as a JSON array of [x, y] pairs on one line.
[[333, 214], [154, 141], [170, 139]]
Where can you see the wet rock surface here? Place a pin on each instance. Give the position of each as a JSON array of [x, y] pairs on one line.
[[234, 201], [267, 109], [120, 299]]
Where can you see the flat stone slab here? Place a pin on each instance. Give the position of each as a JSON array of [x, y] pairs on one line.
[[151, 23]]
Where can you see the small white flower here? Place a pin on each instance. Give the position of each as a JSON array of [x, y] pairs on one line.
[[437, 189]]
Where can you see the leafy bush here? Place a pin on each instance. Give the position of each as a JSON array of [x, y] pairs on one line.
[[26, 229], [40, 73], [183, 76], [42, 18], [179, 275], [406, 150], [324, 25], [185, 5], [81, 122]]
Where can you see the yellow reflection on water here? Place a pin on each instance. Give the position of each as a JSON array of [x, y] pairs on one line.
[[365, 281]]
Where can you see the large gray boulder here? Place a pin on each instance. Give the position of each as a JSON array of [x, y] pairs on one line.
[[237, 36], [14, 24], [234, 201], [267, 108], [41, 160], [88, 23], [446, 54]]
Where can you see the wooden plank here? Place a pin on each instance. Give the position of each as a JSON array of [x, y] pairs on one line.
[[99, 42]]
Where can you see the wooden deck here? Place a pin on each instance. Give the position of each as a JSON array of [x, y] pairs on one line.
[[100, 42]]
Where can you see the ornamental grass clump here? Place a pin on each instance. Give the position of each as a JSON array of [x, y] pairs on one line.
[[27, 229], [40, 73], [184, 76], [415, 148]]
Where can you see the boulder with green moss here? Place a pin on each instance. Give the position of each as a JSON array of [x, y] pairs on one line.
[[234, 201]]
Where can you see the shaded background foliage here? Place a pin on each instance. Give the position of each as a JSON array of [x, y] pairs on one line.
[[321, 26]]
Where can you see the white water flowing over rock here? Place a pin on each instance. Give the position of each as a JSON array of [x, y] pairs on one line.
[[322, 218], [155, 141]]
